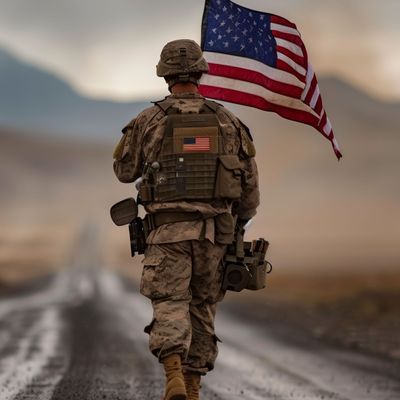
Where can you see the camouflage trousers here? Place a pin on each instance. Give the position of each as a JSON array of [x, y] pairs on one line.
[[183, 281]]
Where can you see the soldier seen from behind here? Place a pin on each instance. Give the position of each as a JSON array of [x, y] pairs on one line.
[[194, 167]]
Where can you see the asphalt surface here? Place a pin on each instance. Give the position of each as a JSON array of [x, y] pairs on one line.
[[79, 335]]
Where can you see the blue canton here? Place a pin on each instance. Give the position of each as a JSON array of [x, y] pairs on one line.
[[232, 29]]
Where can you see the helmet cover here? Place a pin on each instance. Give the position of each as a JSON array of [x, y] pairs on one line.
[[181, 57]]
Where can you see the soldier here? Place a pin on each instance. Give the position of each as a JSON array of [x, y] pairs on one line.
[[198, 180]]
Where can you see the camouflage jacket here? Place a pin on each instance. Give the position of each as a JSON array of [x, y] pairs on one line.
[[140, 143]]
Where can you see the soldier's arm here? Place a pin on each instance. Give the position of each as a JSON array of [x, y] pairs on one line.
[[250, 199], [246, 207], [127, 156]]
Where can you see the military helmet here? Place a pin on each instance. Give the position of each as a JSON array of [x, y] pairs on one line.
[[180, 60]]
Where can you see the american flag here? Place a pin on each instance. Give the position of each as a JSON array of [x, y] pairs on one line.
[[196, 144], [259, 60]]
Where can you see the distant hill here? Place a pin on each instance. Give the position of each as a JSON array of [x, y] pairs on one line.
[[32, 99]]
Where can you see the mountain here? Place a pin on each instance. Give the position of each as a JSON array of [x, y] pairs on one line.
[[34, 100]]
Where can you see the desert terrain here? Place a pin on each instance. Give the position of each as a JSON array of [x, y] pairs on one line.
[[332, 227]]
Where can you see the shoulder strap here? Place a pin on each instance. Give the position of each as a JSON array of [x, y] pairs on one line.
[[212, 105], [165, 105]]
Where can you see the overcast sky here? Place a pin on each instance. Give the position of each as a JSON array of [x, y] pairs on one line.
[[109, 48]]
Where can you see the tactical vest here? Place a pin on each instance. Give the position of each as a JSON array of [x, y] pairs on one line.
[[191, 164]]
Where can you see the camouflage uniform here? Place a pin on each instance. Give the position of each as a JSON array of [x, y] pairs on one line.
[[182, 272]]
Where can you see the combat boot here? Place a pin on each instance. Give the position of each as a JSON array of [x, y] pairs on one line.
[[175, 384], [192, 383]]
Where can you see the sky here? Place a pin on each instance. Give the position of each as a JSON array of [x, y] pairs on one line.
[[109, 49]]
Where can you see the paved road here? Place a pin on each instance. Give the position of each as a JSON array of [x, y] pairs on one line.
[[79, 335]]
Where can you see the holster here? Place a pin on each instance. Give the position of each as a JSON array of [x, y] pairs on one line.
[[137, 237]]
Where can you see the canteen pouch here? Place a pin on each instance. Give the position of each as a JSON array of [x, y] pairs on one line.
[[228, 184]]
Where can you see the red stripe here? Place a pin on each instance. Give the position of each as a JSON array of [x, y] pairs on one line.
[[322, 124], [202, 143], [289, 37], [311, 90], [286, 67], [282, 21], [330, 138], [297, 59], [318, 106], [255, 77], [250, 100]]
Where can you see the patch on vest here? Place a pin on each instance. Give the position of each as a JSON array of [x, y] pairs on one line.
[[195, 140], [197, 143]]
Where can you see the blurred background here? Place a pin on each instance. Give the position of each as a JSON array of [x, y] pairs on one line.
[[73, 73]]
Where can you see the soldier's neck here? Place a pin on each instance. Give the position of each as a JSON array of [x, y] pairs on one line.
[[189, 87]]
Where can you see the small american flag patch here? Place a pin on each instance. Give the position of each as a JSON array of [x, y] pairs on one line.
[[197, 143]]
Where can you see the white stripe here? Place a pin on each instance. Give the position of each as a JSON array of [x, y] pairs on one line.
[[290, 46], [257, 66], [335, 144], [285, 29], [315, 97], [294, 65], [310, 76], [256, 90], [328, 127]]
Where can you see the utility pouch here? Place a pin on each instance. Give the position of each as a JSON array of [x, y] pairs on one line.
[[137, 237], [224, 228], [228, 184], [247, 270], [146, 192], [258, 275], [259, 268]]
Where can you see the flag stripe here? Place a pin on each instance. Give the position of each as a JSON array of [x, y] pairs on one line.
[[309, 78], [244, 98], [315, 97], [282, 21], [311, 91], [290, 38], [285, 29], [257, 66], [293, 48], [298, 60], [255, 77], [257, 90], [318, 106], [298, 68], [286, 67], [322, 124]]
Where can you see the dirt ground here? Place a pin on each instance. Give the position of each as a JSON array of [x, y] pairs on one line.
[[356, 311]]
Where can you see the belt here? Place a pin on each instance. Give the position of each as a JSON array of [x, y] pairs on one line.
[[160, 218]]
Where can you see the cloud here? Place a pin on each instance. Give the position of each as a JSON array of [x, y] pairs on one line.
[[110, 49]]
